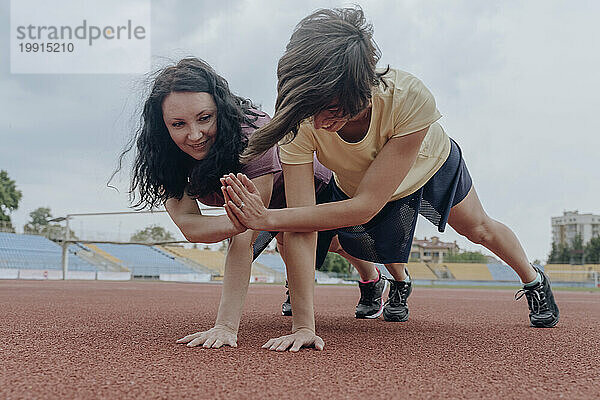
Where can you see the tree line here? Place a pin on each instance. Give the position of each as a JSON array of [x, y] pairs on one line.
[[576, 252]]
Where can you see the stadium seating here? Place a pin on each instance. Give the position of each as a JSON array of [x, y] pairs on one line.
[[570, 273], [37, 252], [214, 261], [469, 271], [502, 272], [145, 261], [259, 269], [99, 251], [273, 261], [193, 255], [420, 271], [594, 267], [31, 252]]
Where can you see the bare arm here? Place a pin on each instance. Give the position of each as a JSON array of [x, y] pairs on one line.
[[300, 247], [238, 265], [198, 228], [379, 183], [300, 262], [235, 283]]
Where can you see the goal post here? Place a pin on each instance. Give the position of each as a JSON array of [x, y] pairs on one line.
[[120, 228]]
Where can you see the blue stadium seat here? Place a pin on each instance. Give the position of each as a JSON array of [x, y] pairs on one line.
[[272, 261], [145, 261], [502, 272], [37, 252]]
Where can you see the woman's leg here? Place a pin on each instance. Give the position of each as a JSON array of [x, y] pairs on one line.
[[396, 309], [370, 305], [280, 248], [397, 270], [286, 306], [470, 220], [366, 269]]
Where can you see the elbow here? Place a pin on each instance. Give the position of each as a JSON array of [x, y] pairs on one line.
[[364, 212], [196, 239], [188, 236], [364, 217], [359, 217]]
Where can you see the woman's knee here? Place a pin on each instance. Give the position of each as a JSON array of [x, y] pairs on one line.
[[335, 246], [279, 242]]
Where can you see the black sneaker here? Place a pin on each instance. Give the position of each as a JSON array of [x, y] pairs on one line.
[[543, 311], [370, 304], [286, 307], [395, 309]]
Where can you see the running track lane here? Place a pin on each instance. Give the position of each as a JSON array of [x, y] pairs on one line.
[[117, 340]]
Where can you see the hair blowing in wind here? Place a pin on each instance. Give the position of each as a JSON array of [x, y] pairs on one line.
[[330, 58]]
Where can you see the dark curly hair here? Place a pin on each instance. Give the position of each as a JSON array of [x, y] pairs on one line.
[[161, 170]]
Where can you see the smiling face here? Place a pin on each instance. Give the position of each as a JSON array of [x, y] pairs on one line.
[[191, 118]]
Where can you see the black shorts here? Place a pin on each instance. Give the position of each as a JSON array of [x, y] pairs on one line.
[[388, 236]]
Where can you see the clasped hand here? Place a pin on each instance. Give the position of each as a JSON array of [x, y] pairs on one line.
[[243, 203]]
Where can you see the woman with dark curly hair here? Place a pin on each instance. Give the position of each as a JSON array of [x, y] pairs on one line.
[[377, 130], [192, 131]]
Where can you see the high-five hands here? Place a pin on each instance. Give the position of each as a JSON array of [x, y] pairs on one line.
[[243, 203]]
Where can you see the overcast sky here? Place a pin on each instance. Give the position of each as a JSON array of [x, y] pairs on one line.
[[517, 84]]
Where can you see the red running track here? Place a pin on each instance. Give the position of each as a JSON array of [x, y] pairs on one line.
[[117, 341]]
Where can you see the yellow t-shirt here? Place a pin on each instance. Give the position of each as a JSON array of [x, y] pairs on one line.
[[404, 107]]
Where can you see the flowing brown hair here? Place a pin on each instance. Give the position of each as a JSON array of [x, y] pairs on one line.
[[331, 57]]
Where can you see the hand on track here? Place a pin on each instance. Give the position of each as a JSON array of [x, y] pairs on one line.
[[295, 341], [213, 338]]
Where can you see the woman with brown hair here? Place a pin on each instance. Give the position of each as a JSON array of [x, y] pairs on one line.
[[377, 130]]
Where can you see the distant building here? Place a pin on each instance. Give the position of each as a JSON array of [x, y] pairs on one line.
[[565, 228], [432, 250]]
